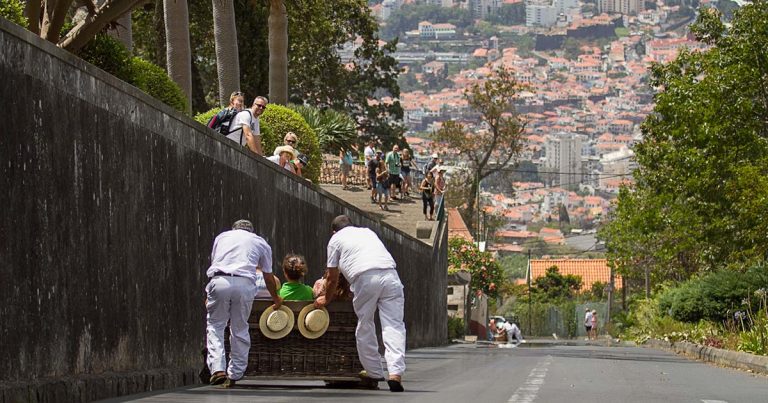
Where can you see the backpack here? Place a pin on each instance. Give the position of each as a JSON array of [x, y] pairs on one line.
[[220, 122]]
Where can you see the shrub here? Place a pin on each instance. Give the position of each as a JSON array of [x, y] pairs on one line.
[[455, 328], [280, 120], [13, 11], [487, 275], [110, 55], [714, 296], [154, 81], [274, 123]]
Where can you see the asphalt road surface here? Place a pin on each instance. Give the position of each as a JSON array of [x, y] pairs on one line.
[[544, 373]]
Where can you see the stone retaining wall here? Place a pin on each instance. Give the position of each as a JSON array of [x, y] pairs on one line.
[[111, 201]]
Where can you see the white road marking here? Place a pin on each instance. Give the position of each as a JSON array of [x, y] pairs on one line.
[[713, 401], [528, 391]]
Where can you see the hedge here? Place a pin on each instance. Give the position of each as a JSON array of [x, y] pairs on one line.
[[155, 81], [110, 55], [714, 296], [13, 11]]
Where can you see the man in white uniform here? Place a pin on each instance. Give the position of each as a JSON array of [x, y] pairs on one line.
[[235, 257], [245, 129], [364, 260], [513, 332]]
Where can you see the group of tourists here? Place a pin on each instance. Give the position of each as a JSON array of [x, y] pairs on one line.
[[390, 177], [241, 125], [357, 260]]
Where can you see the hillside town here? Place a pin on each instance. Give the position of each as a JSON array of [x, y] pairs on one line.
[[584, 70]]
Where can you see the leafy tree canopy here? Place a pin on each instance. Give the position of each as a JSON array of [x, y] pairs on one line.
[[701, 191], [553, 286]]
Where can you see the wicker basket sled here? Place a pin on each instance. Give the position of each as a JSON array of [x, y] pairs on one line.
[[332, 357]]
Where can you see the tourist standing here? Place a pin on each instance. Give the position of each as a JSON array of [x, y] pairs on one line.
[[393, 166], [427, 188], [439, 186], [245, 129], [362, 258], [237, 255], [406, 162]]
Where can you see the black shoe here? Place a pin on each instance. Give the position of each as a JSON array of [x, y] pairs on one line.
[[366, 382], [218, 379], [230, 383], [395, 386]]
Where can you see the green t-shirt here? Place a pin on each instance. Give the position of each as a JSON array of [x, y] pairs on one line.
[[393, 162], [291, 291]]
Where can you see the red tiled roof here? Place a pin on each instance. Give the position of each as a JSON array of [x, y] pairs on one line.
[[590, 270], [457, 227]]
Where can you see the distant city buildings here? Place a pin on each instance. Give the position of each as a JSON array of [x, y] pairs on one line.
[[563, 155], [546, 13], [484, 8], [629, 7], [428, 30]]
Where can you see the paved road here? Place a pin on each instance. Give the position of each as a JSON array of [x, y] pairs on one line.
[[466, 373]]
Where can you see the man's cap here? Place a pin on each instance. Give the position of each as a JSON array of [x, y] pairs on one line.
[[286, 149], [304, 159], [276, 324], [313, 322], [243, 225], [434, 155]]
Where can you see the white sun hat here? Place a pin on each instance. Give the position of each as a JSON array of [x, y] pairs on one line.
[[313, 322], [276, 324]]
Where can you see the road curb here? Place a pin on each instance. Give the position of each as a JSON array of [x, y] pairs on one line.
[[733, 359]]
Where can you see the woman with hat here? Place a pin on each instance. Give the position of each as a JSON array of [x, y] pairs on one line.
[[283, 156]]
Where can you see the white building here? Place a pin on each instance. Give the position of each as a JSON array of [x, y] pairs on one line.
[[540, 15], [484, 8], [627, 7], [563, 151]]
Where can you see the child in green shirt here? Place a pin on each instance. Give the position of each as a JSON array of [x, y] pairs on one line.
[[294, 269]]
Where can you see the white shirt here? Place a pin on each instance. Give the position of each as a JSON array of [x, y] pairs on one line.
[[512, 331], [244, 118], [588, 319], [240, 252], [355, 250], [369, 153], [276, 159]]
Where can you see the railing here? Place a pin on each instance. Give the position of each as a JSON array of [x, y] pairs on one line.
[[330, 173]]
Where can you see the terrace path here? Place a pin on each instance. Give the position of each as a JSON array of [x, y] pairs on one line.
[[402, 214]]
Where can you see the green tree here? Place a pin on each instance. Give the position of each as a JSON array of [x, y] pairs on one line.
[[555, 287], [700, 194], [496, 143]]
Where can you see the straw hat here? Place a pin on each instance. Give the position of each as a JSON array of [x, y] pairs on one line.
[[276, 324], [286, 149], [313, 322]]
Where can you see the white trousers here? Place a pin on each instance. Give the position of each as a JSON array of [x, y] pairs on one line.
[[229, 299], [380, 289]]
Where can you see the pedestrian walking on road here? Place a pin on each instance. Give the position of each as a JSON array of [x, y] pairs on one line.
[[588, 323], [362, 258], [594, 324], [237, 255]]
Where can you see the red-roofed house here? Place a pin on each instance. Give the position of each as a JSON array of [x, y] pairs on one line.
[[590, 270]]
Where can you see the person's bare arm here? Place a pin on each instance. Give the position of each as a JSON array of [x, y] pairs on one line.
[[253, 141], [330, 288], [269, 280]]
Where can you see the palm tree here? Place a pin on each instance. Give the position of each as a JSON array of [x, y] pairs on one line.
[[178, 52], [278, 52], [335, 130], [227, 60]]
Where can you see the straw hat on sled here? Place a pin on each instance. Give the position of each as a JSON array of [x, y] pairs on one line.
[[276, 324], [313, 322]]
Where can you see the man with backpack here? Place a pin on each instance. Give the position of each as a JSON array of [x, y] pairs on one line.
[[222, 120], [245, 126]]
